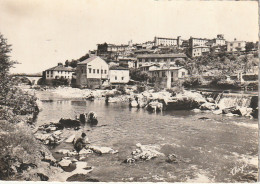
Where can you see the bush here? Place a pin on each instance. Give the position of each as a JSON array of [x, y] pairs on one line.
[[140, 88], [192, 82], [121, 89], [60, 82]]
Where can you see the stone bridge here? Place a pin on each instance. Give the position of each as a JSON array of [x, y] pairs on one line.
[[34, 79]]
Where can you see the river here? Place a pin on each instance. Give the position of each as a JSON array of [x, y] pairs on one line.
[[216, 148]]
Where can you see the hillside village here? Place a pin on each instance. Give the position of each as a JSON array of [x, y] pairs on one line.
[[163, 63]]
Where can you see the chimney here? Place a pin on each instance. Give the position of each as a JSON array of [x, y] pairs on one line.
[[60, 64]]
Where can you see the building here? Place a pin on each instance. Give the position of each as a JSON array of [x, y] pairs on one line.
[[199, 51], [118, 75], [92, 72], [165, 76], [194, 42], [58, 72], [216, 42], [158, 58], [127, 62], [236, 46], [159, 41]]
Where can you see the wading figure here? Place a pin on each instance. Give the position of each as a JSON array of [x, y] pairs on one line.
[[92, 118], [80, 143]]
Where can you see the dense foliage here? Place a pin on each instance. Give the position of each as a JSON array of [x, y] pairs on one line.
[[19, 149], [138, 75]]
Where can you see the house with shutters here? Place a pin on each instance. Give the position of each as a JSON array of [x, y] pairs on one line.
[[92, 72]]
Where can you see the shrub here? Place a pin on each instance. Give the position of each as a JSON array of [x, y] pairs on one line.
[[192, 82], [121, 89]]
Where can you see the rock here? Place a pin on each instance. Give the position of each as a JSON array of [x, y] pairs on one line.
[[230, 114], [69, 123], [72, 153], [85, 151], [134, 103], [57, 133], [63, 151], [43, 177], [204, 118], [129, 160], [70, 139], [196, 110], [82, 178], [172, 158], [65, 163], [210, 100], [228, 110], [144, 152], [217, 112], [102, 150], [208, 106]]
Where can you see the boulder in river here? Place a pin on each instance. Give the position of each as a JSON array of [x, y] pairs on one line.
[[69, 123], [102, 150], [208, 106], [144, 152]]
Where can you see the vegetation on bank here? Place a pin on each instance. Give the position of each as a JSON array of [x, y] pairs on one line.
[[20, 153]]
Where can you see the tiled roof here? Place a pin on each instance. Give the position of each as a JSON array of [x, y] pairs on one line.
[[162, 56], [61, 68]]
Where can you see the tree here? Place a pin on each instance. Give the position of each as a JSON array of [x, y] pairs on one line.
[[249, 46], [5, 65]]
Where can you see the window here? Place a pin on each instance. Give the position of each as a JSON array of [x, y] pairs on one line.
[[97, 70], [82, 70], [239, 44], [122, 78], [182, 73], [163, 74], [89, 70], [101, 71], [94, 70], [165, 59], [105, 71], [231, 44], [115, 77]]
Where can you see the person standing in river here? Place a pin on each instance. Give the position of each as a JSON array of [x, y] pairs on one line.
[[81, 142]]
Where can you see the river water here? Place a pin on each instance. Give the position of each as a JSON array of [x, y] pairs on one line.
[[217, 148]]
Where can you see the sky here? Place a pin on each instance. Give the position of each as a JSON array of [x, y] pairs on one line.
[[45, 32]]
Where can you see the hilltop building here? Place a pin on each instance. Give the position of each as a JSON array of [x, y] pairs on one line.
[[158, 58], [236, 46], [159, 41], [92, 72]]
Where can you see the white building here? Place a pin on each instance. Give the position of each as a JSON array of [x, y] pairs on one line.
[[236, 46], [165, 75], [118, 75], [91, 72], [59, 72], [159, 41]]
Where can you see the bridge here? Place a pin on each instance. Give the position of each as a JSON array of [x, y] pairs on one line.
[[33, 78]]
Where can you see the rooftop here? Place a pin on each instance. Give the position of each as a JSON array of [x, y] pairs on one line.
[[61, 68], [89, 60], [114, 67], [162, 56]]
